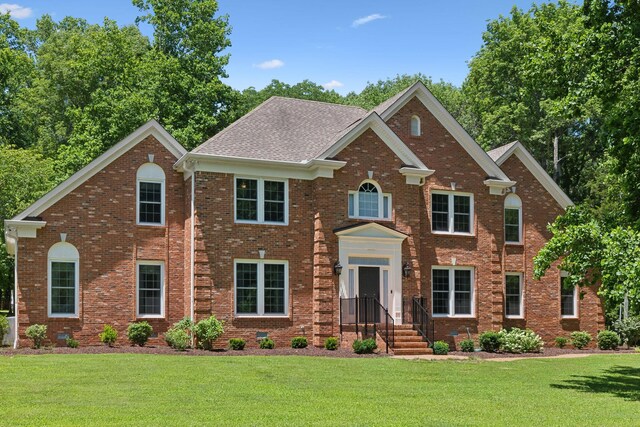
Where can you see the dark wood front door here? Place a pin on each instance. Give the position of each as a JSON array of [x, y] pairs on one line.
[[369, 292]]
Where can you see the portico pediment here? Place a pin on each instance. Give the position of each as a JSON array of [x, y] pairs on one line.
[[369, 230]]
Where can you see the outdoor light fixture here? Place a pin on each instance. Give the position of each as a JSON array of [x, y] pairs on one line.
[[406, 269], [337, 268]]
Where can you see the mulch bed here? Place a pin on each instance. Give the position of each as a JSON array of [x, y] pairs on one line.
[[547, 352]]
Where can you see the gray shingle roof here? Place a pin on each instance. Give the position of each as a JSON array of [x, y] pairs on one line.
[[497, 152], [284, 129]]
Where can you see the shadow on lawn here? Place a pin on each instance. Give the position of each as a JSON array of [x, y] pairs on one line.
[[619, 381]]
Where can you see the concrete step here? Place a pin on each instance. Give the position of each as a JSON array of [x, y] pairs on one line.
[[405, 332], [411, 351], [411, 344], [413, 338]]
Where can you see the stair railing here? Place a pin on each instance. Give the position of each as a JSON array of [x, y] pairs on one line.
[[421, 318]]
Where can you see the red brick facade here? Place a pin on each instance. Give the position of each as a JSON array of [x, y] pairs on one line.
[[99, 218]]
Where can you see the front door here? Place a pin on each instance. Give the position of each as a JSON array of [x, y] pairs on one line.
[[369, 293]]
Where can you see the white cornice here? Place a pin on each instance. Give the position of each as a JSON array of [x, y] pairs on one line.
[[14, 229]]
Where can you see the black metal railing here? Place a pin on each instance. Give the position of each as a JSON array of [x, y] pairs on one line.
[[420, 318], [369, 317]]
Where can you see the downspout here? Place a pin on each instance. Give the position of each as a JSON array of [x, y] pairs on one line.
[[15, 294], [192, 251]]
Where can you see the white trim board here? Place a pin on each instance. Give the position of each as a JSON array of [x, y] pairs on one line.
[[152, 127]]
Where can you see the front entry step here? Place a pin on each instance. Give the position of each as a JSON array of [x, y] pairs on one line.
[[408, 342]]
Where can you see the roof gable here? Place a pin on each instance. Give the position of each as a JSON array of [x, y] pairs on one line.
[[151, 128], [369, 230], [501, 154]]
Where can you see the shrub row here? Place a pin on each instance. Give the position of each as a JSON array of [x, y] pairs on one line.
[[514, 340]]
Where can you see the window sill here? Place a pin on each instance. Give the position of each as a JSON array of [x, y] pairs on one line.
[[150, 316], [514, 243], [261, 316], [148, 224], [63, 316], [514, 317], [446, 233], [368, 218], [261, 223], [569, 317], [446, 316]]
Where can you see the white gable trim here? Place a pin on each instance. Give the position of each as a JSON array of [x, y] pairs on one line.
[[450, 124], [538, 172], [152, 127], [370, 231]]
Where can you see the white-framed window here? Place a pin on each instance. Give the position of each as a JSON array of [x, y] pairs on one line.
[[369, 202], [150, 189], [451, 212], [150, 289], [568, 299], [512, 219], [452, 290], [261, 287], [415, 126], [513, 300], [64, 280], [261, 200]]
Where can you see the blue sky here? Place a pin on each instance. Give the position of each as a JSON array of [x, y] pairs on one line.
[[341, 44]]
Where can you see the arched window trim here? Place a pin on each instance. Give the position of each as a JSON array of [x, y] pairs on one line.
[[417, 129], [151, 173], [513, 202], [63, 252], [384, 203]]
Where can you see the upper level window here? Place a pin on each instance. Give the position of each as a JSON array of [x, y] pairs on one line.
[[150, 190], [452, 291], [451, 212], [568, 300], [369, 202], [261, 287], [63, 280], [512, 219], [261, 200], [415, 126], [150, 289], [513, 295]]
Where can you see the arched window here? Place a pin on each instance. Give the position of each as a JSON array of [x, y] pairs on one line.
[[415, 126], [512, 219], [369, 202], [150, 190], [63, 288]]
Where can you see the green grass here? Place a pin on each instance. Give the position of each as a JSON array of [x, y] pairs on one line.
[[127, 389]]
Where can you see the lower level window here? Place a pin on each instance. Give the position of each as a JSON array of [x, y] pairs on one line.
[[513, 295], [567, 300], [63, 288], [261, 287], [150, 289], [452, 291]]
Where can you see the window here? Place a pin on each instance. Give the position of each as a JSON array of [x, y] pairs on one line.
[[452, 291], [568, 299], [261, 201], [415, 126], [150, 289], [512, 219], [261, 288], [513, 295], [451, 213], [63, 260], [151, 198], [369, 202]]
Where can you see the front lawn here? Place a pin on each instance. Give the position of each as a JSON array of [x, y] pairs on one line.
[[135, 389]]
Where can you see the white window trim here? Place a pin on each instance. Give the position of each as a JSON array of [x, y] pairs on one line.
[[163, 288], [260, 200], [450, 216], [411, 126], [75, 314], [161, 181], [261, 263], [520, 230], [575, 314], [381, 196], [521, 295], [452, 270]]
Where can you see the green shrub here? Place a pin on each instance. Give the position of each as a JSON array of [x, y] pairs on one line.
[[267, 344], [71, 343], [468, 346], [139, 332], [207, 331], [299, 342], [580, 339], [518, 340], [179, 335], [608, 340], [4, 328], [490, 341], [237, 343], [108, 335], [628, 329], [561, 342], [440, 347], [364, 346], [331, 343], [37, 333]]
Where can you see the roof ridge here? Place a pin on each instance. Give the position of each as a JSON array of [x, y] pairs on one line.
[[317, 102]]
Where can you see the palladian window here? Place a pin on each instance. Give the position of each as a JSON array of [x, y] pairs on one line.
[[369, 202]]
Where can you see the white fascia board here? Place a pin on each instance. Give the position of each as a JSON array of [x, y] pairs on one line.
[[538, 172], [451, 125], [152, 127]]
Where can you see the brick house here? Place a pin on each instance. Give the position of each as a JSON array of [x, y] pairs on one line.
[[279, 222]]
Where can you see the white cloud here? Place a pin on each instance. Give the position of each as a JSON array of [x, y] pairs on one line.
[[15, 10], [332, 85], [270, 65], [367, 19]]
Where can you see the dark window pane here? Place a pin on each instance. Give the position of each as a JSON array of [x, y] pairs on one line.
[[63, 287], [150, 199], [274, 289], [512, 296], [247, 199], [149, 289], [247, 288], [512, 225], [462, 297], [567, 299], [440, 291], [462, 214], [440, 212], [274, 201]]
